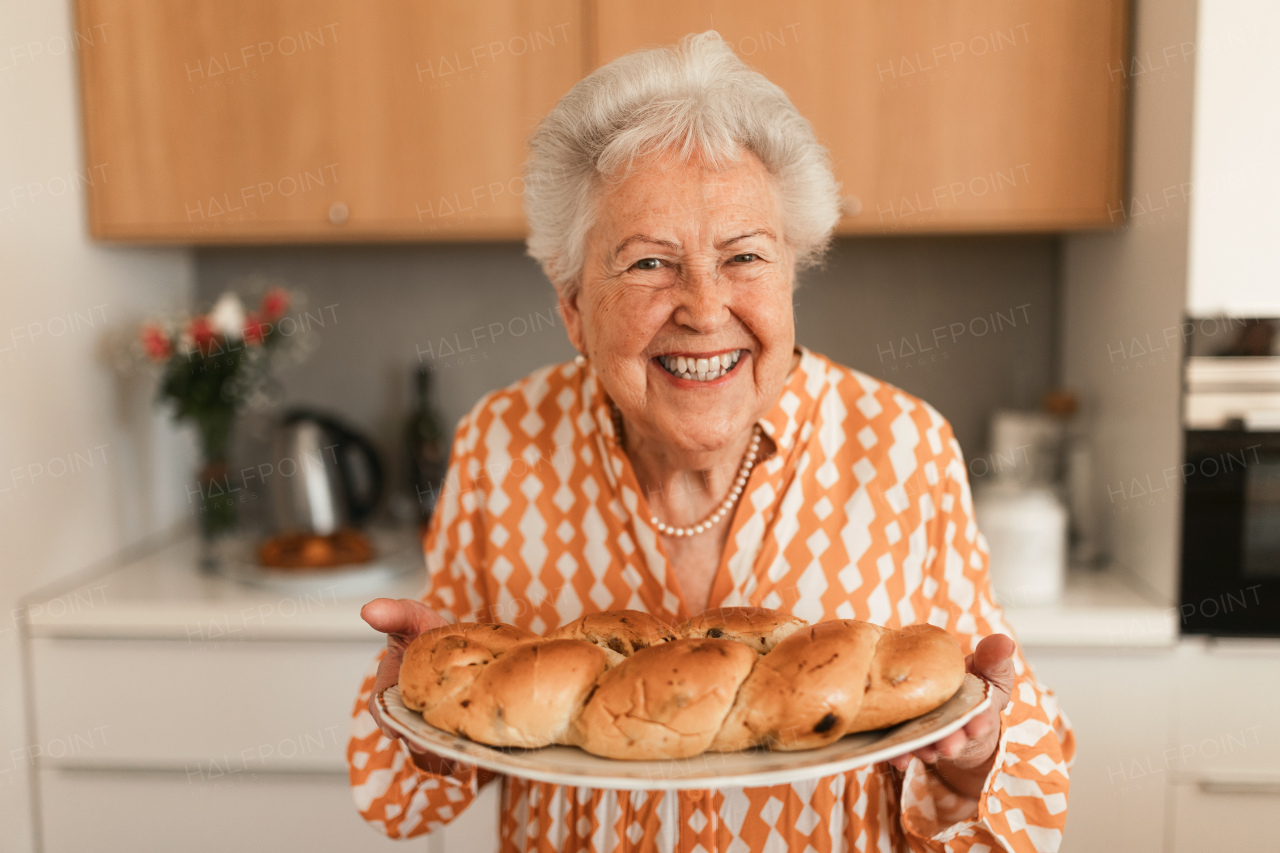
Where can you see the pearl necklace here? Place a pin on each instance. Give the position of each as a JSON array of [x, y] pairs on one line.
[[739, 483]]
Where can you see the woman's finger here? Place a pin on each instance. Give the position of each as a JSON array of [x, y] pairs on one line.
[[952, 745], [376, 713], [982, 725], [401, 620], [993, 661], [400, 616]]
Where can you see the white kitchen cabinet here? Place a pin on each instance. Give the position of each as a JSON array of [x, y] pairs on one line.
[[1177, 749], [1110, 656], [1209, 820], [1227, 746], [238, 734], [1234, 268], [1228, 709], [209, 745], [254, 706], [197, 745], [179, 711], [166, 811], [1120, 704]]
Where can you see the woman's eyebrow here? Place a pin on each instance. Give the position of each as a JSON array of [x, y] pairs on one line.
[[759, 232], [644, 238]]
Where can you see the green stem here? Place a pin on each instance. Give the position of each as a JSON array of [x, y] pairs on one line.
[[217, 503]]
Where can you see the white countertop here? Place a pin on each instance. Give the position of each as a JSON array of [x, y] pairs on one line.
[[165, 595], [1099, 609]]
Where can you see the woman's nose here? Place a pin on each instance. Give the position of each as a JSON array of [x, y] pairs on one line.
[[704, 299]]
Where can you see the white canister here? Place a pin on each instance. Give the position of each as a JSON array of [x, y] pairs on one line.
[[1026, 530], [1026, 447]]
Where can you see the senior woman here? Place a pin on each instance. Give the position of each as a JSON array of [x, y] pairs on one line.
[[693, 456]]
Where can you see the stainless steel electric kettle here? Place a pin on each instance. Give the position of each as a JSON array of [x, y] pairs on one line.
[[327, 475]]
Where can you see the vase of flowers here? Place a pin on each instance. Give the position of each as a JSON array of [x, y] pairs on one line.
[[212, 366]]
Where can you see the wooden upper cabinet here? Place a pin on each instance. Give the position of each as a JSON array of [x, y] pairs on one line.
[[299, 120], [318, 120], [1004, 115]]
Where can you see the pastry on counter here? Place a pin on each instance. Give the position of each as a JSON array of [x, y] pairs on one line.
[[344, 547]]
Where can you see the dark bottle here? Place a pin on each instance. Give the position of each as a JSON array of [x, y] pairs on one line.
[[427, 449]]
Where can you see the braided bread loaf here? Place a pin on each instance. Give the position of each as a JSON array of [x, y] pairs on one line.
[[622, 684]]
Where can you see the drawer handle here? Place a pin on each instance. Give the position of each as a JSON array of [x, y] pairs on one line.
[[338, 213], [1239, 785]]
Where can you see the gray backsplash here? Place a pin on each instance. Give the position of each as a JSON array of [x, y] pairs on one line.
[[967, 323]]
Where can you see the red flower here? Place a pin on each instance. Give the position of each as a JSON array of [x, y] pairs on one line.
[[274, 303], [202, 333], [254, 329], [155, 343]]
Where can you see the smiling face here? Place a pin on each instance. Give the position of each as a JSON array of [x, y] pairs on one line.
[[685, 302]]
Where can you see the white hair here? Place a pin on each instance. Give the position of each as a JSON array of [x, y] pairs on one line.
[[695, 98]]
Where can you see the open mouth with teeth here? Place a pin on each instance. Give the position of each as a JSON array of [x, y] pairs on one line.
[[700, 369]]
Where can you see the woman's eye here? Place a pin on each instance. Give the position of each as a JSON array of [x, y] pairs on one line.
[[745, 257], [648, 264]]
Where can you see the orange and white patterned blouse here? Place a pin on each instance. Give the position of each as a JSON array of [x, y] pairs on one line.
[[862, 511]]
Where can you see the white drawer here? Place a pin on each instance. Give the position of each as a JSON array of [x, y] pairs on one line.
[[1229, 693], [140, 812], [206, 708], [1226, 815]]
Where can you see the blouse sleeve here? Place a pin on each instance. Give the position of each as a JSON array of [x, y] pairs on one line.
[[391, 792], [1023, 806]]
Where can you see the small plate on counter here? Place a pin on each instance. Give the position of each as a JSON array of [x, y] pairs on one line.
[[396, 552]]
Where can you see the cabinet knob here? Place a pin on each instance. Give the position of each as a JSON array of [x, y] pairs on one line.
[[338, 213], [852, 205]]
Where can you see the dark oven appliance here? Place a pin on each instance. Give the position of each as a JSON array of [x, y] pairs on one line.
[[1230, 579]]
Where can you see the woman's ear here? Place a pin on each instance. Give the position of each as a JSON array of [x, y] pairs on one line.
[[572, 317]]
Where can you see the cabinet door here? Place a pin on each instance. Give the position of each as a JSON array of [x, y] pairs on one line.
[[940, 117], [212, 708], [298, 120], [163, 812], [1120, 703], [1228, 694], [1208, 820]]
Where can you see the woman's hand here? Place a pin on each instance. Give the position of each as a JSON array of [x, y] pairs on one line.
[[401, 620], [963, 758]]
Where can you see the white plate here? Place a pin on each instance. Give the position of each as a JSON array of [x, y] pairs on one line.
[[397, 552], [568, 765]]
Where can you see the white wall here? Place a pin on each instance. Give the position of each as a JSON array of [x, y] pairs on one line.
[[1123, 302], [874, 305], [58, 400]]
